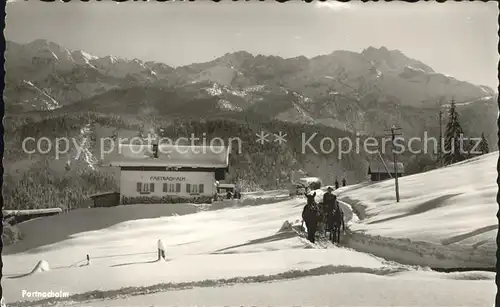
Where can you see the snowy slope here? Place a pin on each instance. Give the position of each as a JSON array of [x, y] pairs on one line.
[[453, 209], [193, 245], [225, 255], [353, 289], [201, 246]]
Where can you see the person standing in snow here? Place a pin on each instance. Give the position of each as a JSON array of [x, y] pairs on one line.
[[237, 193], [344, 182], [216, 189], [311, 216], [336, 183]]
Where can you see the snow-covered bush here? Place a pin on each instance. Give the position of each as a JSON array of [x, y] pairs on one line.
[[11, 234]]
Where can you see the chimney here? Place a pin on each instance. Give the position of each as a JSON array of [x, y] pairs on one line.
[[155, 148]]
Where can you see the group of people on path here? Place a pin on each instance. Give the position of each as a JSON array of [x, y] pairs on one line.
[[327, 212], [344, 183]]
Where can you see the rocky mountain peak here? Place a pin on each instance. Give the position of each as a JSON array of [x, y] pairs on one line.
[[392, 59], [236, 58]]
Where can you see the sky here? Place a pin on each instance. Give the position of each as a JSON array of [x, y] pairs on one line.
[[455, 38]]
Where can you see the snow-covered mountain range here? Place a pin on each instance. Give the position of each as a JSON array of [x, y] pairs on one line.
[[365, 91]]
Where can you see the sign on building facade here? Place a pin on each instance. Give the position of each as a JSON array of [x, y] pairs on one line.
[[157, 183]]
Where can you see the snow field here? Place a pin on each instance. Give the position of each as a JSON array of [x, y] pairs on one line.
[[236, 256], [445, 218]]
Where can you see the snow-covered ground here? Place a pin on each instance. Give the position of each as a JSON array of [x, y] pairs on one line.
[[343, 289], [207, 248], [238, 255], [445, 217]]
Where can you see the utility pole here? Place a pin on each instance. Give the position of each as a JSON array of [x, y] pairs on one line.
[[395, 131], [440, 149]]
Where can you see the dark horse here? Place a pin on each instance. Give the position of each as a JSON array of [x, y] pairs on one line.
[[311, 216], [335, 222]]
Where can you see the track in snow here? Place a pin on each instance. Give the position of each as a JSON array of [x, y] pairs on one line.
[[87, 297]]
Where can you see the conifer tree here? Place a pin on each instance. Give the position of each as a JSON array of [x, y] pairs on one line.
[[454, 145], [483, 146]]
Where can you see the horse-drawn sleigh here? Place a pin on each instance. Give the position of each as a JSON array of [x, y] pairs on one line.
[[323, 218]]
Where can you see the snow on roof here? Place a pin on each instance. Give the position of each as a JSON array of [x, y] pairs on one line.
[[226, 185], [102, 194], [309, 179], [32, 211], [169, 156], [378, 167]]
